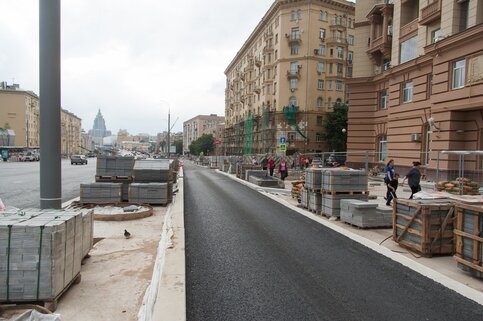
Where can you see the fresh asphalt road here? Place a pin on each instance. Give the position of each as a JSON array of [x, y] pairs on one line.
[[250, 258], [20, 181]]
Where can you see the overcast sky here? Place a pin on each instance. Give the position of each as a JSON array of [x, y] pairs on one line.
[[133, 59]]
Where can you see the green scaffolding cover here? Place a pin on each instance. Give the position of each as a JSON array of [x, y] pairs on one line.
[[290, 114], [248, 137]]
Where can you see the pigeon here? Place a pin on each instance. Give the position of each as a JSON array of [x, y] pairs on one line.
[[127, 234]]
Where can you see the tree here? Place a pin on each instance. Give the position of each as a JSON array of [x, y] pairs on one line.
[[334, 124], [204, 145]]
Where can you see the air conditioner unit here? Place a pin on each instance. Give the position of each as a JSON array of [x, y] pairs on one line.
[[292, 89], [316, 51], [416, 137], [287, 35]]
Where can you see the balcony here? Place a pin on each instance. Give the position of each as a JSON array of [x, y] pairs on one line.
[[431, 12], [409, 28], [268, 48], [293, 74], [293, 39], [258, 62], [336, 40], [380, 49]]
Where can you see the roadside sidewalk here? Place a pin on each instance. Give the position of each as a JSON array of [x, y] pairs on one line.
[[442, 269]]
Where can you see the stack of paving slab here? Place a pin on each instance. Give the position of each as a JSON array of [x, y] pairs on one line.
[[114, 166], [315, 202], [262, 179], [115, 169], [304, 198], [149, 193], [41, 252], [313, 178], [339, 184], [101, 193], [364, 214], [155, 171]]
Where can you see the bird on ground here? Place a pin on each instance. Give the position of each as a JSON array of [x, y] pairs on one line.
[[127, 234]]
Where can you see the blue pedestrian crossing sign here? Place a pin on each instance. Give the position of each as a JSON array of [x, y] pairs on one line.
[[283, 140]]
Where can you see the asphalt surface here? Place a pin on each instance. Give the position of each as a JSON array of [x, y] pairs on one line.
[[20, 181], [250, 258]]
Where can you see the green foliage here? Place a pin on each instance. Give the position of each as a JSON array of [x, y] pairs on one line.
[[334, 123], [204, 145], [152, 147]]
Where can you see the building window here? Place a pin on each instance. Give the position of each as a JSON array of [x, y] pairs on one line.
[[408, 92], [299, 14], [293, 15], [435, 35], [294, 50], [324, 15], [338, 36], [350, 56], [382, 148], [320, 84], [330, 85], [322, 33], [319, 118], [350, 40], [322, 50], [464, 12], [329, 101], [349, 72], [383, 99], [331, 65], [430, 85], [340, 70], [408, 50], [340, 52], [349, 23], [426, 144], [331, 52], [458, 74], [320, 67], [320, 103], [318, 137], [293, 84], [339, 85], [292, 101]]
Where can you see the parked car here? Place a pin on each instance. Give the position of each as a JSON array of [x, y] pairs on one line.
[[28, 157], [78, 159]]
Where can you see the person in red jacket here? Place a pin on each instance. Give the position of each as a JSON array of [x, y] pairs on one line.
[[283, 169], [271, 165]]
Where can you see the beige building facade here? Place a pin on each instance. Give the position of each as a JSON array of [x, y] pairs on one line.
[[19, 110], [199, 125], [287, 76], [418, 82]]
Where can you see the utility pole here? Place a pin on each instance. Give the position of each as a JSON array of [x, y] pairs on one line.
[[169, 129], [49, 79]]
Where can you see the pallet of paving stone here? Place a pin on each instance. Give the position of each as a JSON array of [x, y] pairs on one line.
[[315, 202], [341, 180], [313, 179], [149, 193], [101, 193], [304, 198], [40, 254], [469, 238], [114, 166], [125, 181], [153, 171], [242, 168], [331, 202], [363, 214], [424, 226]]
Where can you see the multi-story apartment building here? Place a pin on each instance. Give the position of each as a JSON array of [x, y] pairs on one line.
[[418, 81], [287, 76], [199, 125], [19, 110]]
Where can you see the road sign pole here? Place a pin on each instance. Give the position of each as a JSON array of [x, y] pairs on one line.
[[49, 79]]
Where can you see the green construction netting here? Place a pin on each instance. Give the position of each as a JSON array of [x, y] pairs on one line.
[[290, 114], [248, 137]]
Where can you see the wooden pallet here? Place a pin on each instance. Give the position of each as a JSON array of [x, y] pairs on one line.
[[468, 240], [50, 305], [344, 192], [426, 228], [113, 178]]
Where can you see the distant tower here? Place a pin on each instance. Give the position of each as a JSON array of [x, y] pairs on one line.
[[98, 131]]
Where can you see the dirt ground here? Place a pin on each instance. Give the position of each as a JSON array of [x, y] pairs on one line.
[[115, 277]]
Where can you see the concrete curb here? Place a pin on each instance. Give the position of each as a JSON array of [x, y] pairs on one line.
[[436, 276]]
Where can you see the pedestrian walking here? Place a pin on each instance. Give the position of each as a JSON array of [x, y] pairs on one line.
[[414, 179], [389, 176], [264, 163], [283, 169], [271, 165], [392, 186]]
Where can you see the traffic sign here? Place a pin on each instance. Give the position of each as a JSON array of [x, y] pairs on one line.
[[283, 148], [283, 140]]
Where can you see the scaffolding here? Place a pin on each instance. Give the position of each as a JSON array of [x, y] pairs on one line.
[[290, 114], [248, 137]]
